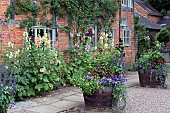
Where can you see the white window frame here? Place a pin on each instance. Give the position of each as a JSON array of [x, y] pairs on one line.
[[130, 4], [52, 35], [124, 3], [123, 22], [94, 37], [126, 36]]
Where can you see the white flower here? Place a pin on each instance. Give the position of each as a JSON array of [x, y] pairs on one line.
[[10, 55], [25, 34], [10, 44]]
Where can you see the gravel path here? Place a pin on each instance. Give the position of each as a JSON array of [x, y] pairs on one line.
[[148, 100]]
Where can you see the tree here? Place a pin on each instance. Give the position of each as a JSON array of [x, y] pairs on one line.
[[160, 5], [163, 36]]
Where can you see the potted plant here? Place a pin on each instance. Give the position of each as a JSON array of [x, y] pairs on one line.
[[152, 69], [99, 74], [7, 88]]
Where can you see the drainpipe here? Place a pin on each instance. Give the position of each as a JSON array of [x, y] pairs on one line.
[[119, 18]]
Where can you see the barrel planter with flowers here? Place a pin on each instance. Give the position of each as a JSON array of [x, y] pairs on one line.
[[152, 69], [102, 79]]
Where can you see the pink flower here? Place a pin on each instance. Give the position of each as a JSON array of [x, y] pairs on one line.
[[3, 19], [2, 35], [80, 53]]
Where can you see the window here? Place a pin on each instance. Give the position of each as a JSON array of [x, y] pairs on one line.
[[41, 30], [127, 3], [130, 3], [91, 33], [123, 22], [123, 3], [126, 37]]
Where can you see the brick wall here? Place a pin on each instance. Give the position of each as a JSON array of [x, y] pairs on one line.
[[130, 50], [154, 18], [17, 33], [140, 10]]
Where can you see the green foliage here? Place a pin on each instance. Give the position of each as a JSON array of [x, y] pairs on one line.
[[26, 7], [38, 68], [143, 37], [7, 89], [163, 36], [160, 5], [79, 13]]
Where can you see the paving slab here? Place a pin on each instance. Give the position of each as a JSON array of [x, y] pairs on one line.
[[65, 104], [75, 98], [45, 109]]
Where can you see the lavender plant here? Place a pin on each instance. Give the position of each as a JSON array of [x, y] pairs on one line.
[[7, 88]]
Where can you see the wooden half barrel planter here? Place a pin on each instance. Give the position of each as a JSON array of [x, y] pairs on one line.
[[148, 77], [100, 99]]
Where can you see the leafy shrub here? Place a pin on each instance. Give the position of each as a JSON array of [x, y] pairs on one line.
[[163, 36], [37, 67]]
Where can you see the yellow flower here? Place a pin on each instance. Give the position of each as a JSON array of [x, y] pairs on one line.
[[44, 38], [37, 41], [47, 43], [59, 61]]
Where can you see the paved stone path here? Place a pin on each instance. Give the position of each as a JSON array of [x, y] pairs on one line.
[[70, 100]]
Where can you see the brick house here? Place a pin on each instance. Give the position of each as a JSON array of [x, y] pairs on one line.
[[148, 16], [122, 28]]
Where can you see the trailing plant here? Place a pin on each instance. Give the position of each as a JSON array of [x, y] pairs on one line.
[[38, 68], [7, 88]]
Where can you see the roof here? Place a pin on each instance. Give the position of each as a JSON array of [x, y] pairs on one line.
[[165, 21], [149, 24], [148, 8]]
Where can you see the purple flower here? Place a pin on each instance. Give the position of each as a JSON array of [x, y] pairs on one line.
[[104, 82], [124, 75], [89, 73], [143, 68], [112, 77], [144, 62], [100, 81], [9, 36], [88, 78], [150, 67], [120, 78]]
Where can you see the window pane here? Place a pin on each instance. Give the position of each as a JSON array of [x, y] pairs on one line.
[[128, 34]]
